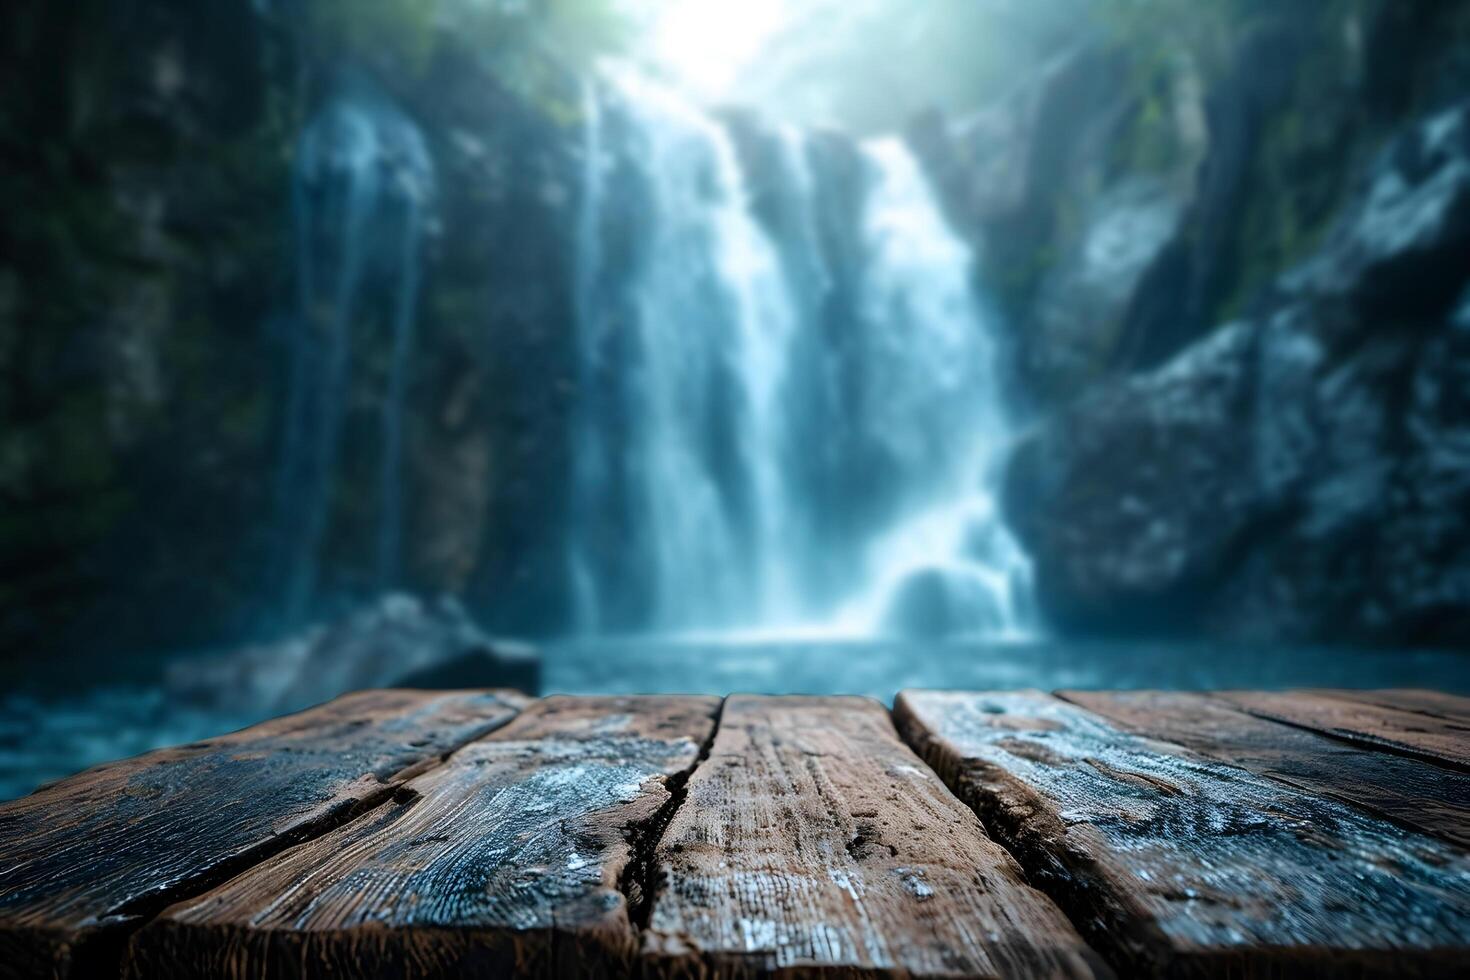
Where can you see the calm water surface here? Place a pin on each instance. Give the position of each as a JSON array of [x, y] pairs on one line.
[[42, 740]]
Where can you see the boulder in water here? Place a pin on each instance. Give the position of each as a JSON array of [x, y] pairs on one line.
[[937, 602], [508, 665], [399, 640]]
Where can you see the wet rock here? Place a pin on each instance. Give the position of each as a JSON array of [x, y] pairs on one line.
[[1402, 249], [1132, 496], [507, 665], [1301, 474], [937, 602], [1078, 320], [397, 641], [486, 491], [1080, 236], [144, 194], [1002, 167], [1238, 112]]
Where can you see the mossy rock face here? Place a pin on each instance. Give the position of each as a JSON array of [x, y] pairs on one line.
[[1299, 474], [145, 205], [143, 312], [1255, 116]]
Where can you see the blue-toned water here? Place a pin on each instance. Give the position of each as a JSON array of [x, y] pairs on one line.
[[42, 739], [711, 388], [361, 186], [881, 668], [692, 433]]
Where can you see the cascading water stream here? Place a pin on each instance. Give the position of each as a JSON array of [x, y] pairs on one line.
[[711, 378], [591, 469], [701, 376], [416, 189], [945, 562], [361, 185]]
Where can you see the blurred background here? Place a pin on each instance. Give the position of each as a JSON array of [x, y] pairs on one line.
[[636, 345]]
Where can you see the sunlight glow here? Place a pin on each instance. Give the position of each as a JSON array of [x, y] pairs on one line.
[[706, 44]]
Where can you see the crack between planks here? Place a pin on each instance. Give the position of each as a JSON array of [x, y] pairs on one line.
[[1422, 711], [1361, 741], [101, 951], [639, 879], [1058, 883]]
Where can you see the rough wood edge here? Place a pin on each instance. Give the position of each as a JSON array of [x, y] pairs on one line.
[[99, 949], [676, 954], [1423, 701], [1125, 950], [606, 948], [1126, 937]]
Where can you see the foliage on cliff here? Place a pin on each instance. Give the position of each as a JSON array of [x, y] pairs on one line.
[[1275, 450], [531, 46]]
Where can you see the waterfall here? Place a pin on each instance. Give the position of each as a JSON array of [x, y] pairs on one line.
[[361, 183], [760, 447], [699, 380], [390, 463], [945, 562], [591, 469]]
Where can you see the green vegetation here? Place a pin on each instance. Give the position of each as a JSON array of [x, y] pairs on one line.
[[1305, 143], [528, 43], [1157, 32]]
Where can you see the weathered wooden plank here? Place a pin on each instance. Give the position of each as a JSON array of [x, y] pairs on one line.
[[1435, 703], [814, 842], [506, 859], [1176, 865], [1427, 798], [83, 860], [1442, 741]]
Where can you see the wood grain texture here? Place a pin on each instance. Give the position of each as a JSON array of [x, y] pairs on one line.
[[814, 842], [1442, 741], [1176, 865], [1427, 702], [84, 860], [506, 859], [1427, 798]]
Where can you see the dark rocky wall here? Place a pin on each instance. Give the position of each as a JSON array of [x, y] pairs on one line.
[[144, 158], [145, 281], [496, 365], [1273, 447]]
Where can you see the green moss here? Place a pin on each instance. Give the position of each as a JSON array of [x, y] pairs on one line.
[[1151, 142], [1297, 178]]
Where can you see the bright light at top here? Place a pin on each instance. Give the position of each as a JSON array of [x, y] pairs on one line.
[[707, 43]]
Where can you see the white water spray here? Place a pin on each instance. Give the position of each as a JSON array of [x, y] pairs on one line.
[[704, 334]]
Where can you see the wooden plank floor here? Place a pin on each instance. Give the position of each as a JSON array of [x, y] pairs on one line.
[[462, 834]]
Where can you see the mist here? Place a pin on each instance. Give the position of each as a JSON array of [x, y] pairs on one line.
[[621, 346]]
